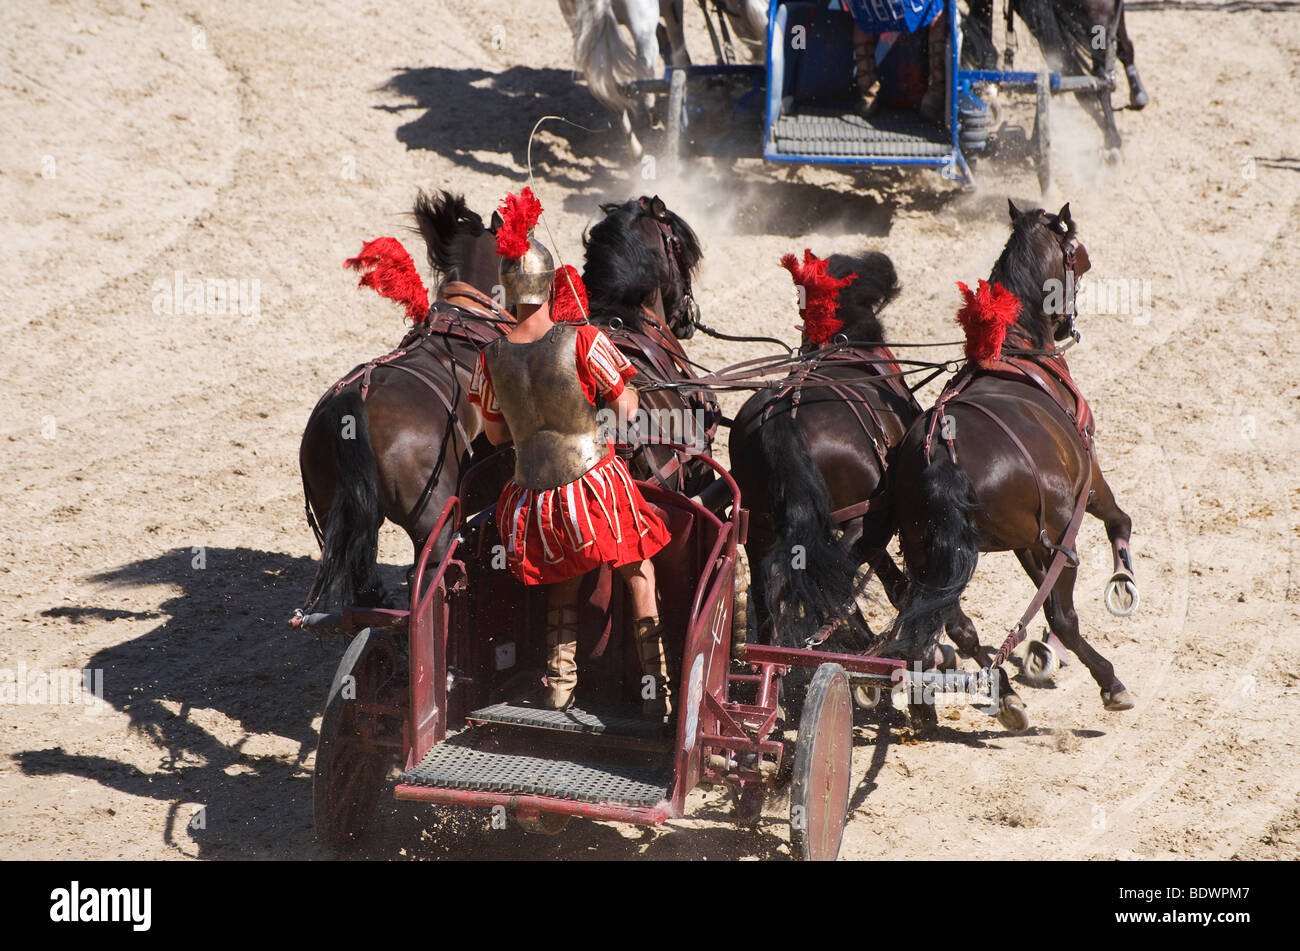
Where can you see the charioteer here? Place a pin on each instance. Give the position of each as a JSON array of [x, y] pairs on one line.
[[572, 505]]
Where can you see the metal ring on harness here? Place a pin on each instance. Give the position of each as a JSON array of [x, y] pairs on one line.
[[1118, 586]]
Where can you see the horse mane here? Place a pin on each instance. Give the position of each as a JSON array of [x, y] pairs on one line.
[[861, 302], [1026, 263], [442, 218], [620, 270]]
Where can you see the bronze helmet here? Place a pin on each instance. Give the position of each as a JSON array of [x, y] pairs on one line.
[[527, 279]]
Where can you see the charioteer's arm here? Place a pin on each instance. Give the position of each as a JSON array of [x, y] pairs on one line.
[[497, 432], [482, 395]]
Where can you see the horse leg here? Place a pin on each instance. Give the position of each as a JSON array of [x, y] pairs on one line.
[[759, 617], [1137, 94], [961, 631], [643, 21], [1064, 622], [674, 18], [1121, 596], [1103, 67]]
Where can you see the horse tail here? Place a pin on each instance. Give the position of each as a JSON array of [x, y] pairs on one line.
[[601, 54], [951, 553], [808, 568], [348, 572]]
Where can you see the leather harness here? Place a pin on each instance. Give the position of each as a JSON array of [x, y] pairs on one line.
[[663, 354], [881, 367], [463, 313]]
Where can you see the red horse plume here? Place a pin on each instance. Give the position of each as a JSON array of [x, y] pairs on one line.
[[518, 215], [568, 304], [985, 317], [821, 294], [390, 271]]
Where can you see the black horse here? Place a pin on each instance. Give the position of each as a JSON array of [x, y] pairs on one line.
[[391, 439], [810, 458], [640, 262]]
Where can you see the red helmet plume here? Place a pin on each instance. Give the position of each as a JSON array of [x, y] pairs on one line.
[[391, 272], [821, 294], [519, 213], [568, 303], [985, 317]]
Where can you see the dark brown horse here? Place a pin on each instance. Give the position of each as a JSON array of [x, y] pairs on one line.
[[393, 437], [810, 458], [390, 439], [1006, 462]]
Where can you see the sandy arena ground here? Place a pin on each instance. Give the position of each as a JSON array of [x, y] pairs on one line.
[[153, 524]]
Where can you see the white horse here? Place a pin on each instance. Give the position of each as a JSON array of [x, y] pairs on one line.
[[603, 57]]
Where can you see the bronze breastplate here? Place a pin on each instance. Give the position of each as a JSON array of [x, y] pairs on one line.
[[553, 426]]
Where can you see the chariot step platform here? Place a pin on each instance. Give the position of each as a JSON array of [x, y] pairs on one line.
[[887, 135], [606, 725], [476, 766], [442, 691]]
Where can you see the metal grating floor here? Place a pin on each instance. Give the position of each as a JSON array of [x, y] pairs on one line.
[[452, 766], [594, 721], [888, 135]]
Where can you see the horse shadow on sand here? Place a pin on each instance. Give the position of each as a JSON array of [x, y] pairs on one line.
[[229, 696], [470, 115]]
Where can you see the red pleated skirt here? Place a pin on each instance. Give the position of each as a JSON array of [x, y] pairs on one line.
[[552, 535]]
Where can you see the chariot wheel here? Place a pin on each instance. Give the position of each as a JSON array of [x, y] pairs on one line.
[[1042, 138], [866, 697], [673, 123], [823, 761], [350, 769]]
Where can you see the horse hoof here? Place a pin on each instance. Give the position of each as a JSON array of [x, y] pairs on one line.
[[922, 719], [866, 698], [1121, 596], [1041, 663], [1112, 156], [1138, 100], [1012, 714], [1119, 700]]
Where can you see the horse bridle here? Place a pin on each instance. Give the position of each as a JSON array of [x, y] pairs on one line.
[[1069, 244], [672, 244]]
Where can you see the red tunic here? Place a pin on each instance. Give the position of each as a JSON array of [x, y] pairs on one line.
[[552, 535]]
